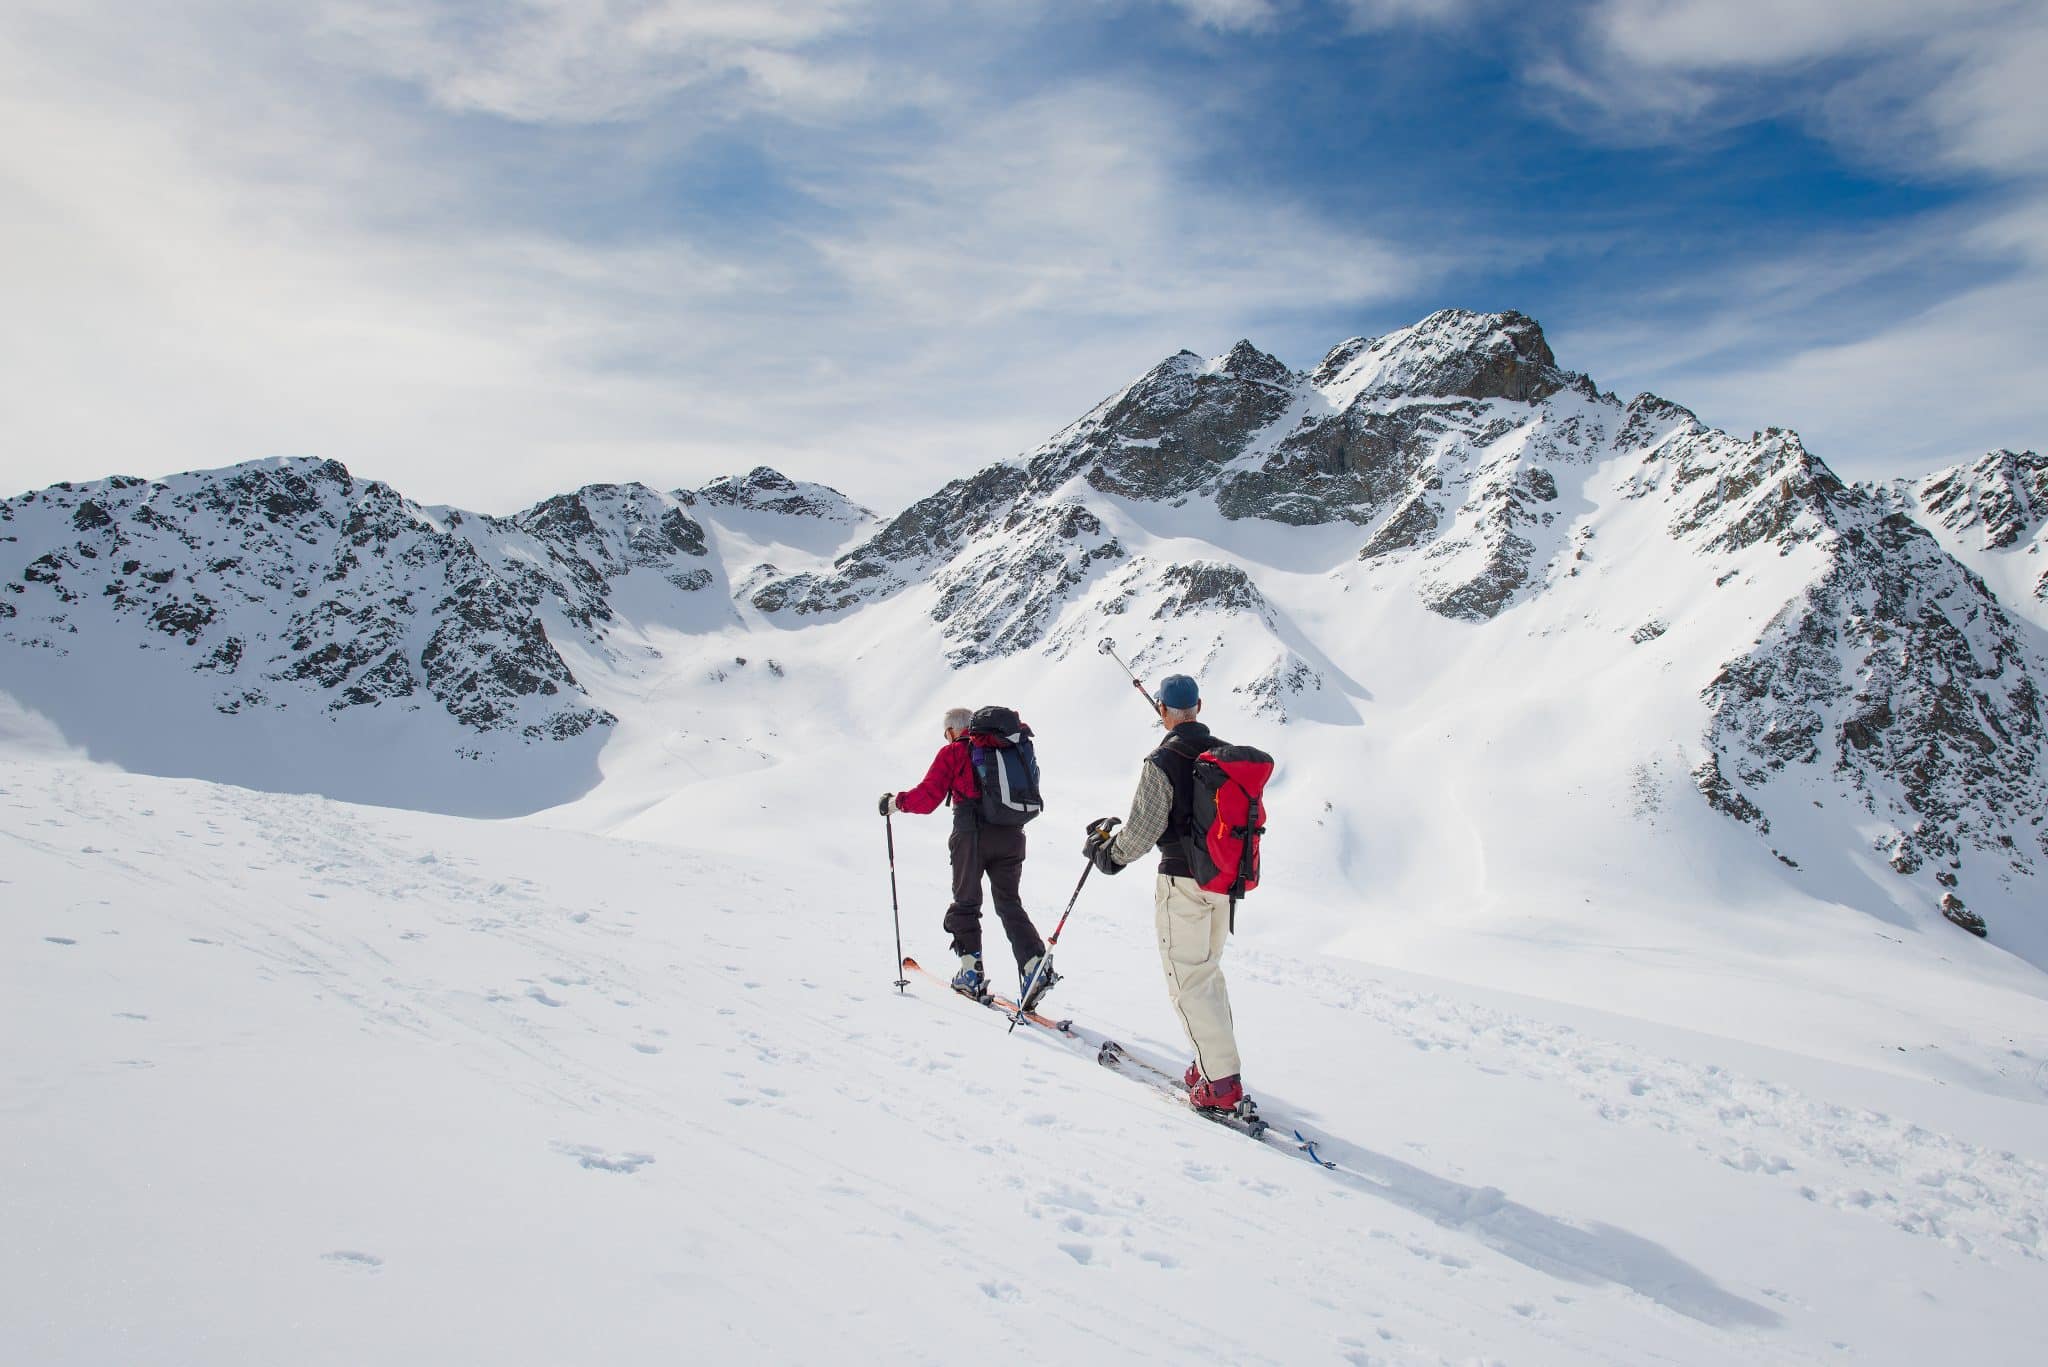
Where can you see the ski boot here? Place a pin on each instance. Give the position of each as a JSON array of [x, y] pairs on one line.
[[970, 981], [1222, 1094], [1038, 986], [1192, 1077]]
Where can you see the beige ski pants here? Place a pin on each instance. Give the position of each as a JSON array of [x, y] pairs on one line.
[[1193, 925]]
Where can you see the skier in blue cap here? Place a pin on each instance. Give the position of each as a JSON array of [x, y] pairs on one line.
[[1192, 922]]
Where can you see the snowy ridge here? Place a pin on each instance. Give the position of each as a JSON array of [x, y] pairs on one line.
[[414, 655]]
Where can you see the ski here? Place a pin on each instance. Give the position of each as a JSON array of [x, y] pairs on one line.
[[1247, 1121], [1244, 1118], [993, 1001]]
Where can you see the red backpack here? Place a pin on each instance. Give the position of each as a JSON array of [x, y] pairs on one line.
[[1222, 848]]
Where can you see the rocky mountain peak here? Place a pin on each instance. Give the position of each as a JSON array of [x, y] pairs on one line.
[[1247, 362], [1453, 353], [2001, 497], [766, 490]]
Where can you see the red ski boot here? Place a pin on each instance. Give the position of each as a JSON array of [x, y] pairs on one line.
[[1193, 1076], [1223, 1094]]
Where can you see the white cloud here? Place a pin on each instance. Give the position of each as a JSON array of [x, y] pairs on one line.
[[1371, 15], [229, 252], [578, 61], [1942, 386], [1948, 94], [1079, 204], [1231, 15]]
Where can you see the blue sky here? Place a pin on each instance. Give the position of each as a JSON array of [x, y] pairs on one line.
[[491, 251]]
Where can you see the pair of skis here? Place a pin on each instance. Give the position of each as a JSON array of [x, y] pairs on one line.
[[1245, 1119]]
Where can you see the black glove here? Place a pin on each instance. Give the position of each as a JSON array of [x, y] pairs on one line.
[[1101, 832], [887, 804]]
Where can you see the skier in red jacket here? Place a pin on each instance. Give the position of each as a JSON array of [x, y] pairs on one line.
[[977, 848]]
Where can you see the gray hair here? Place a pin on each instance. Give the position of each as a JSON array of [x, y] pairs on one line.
[[1177, 715], [957, 718]]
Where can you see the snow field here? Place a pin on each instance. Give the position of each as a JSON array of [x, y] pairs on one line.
[[288, 1079]]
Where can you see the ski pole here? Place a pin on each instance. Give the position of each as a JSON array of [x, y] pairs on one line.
[[895, 911], [1051, 942], [1108, 647]]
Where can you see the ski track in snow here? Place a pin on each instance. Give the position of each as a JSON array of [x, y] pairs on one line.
[[1973, 1199]]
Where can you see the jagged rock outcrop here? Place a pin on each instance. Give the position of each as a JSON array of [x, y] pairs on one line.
[[288, 583], [1992, 514], [2002, 499], [763, 490], [566, 554], [1894, 670], [1001, 597], [905, 549]]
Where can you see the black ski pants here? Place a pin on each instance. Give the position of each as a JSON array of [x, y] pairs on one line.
[[998, 852]]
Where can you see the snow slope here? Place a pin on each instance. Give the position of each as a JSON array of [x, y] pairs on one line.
[[311, 1082]]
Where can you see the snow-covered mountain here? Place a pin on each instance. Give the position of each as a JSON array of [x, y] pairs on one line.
[[363, 645], [1438, 521], [1833, 648]]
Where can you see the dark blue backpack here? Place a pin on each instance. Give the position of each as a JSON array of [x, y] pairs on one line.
[[1005, 767]]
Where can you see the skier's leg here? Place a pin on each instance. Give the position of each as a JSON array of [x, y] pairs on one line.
[[963, 918], [1003, 857], [1193, 926]]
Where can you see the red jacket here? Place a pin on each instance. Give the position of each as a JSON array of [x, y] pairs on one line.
[[951, 775]]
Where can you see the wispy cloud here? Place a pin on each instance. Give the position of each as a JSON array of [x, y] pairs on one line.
[[1945, 95], [1231, 15], [489, 303], [575, 61]]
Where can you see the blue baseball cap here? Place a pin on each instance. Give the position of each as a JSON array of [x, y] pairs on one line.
[[1178, 690]]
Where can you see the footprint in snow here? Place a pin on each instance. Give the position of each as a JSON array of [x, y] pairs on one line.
[[1080, 1253], [60, 940], [541, 996], [597, 1160], [647, 1048], [349, 1257]]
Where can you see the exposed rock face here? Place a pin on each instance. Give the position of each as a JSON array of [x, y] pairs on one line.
[[770, 491], [2001, 499], [906, 549], [1895, 670], [1450, 354], [1208, 586], [1992, 514], [568, 552], [1001, 597]]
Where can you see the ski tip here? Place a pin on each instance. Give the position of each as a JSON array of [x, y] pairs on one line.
[[909, 963]]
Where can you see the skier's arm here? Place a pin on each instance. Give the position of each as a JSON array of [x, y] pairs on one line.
[[1151, 805], [938, 781]]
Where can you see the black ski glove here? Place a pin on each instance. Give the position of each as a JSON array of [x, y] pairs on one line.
[[1101, 832], [887, 804]]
